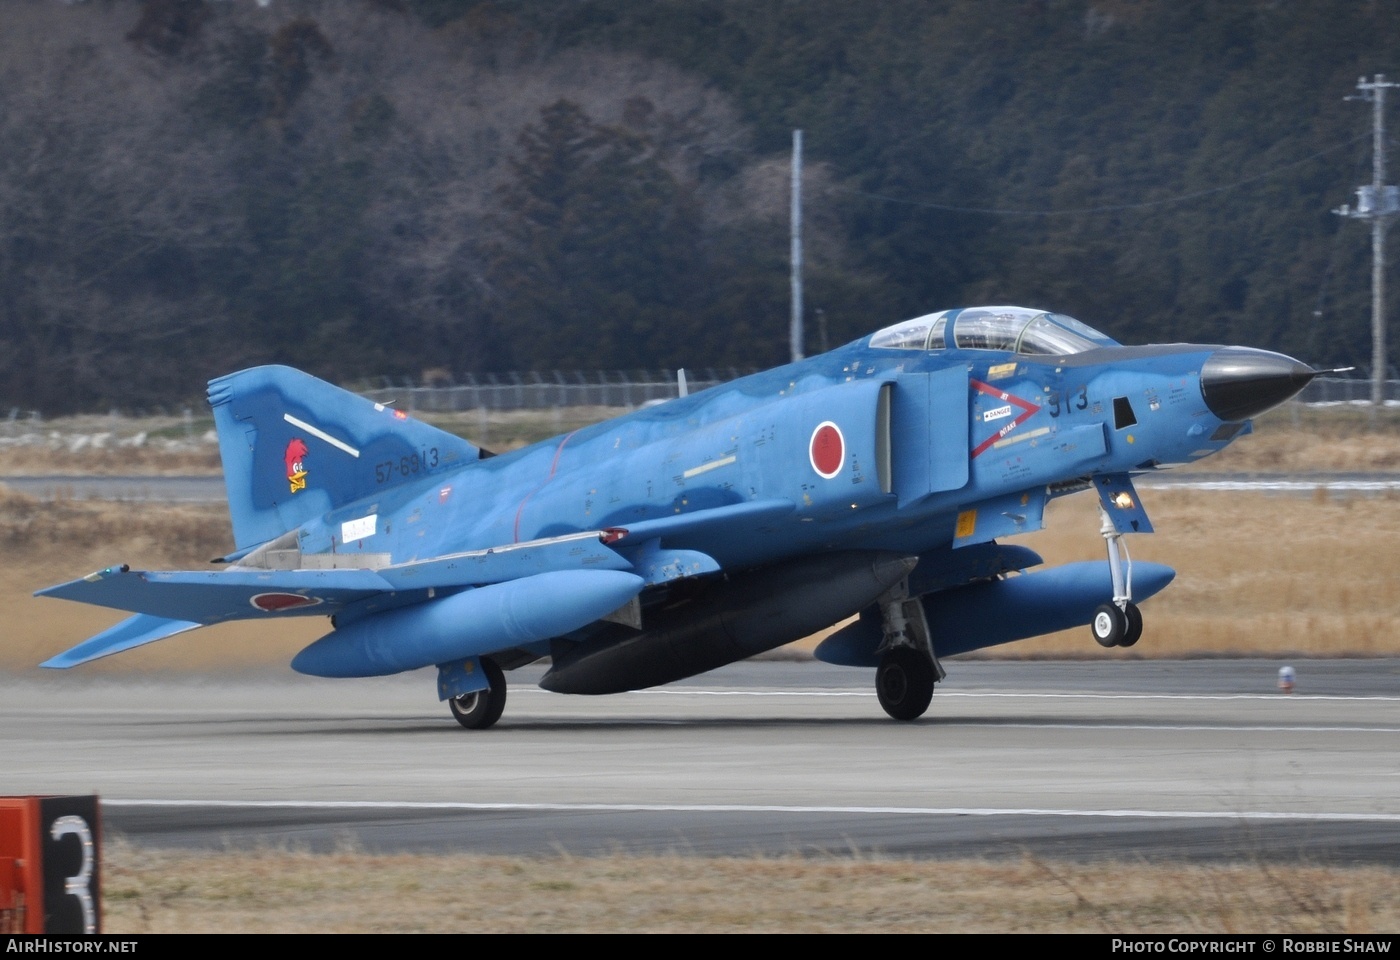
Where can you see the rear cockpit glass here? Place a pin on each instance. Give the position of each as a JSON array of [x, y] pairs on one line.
[[1007, 329], [989, 329], [911, 334]]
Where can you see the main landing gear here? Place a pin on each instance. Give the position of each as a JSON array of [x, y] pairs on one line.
[[482, 708], [1117, 624], [904, 682], [908, 669]]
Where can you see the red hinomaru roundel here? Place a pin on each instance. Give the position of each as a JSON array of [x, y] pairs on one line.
[[279, 602], [827, 450]]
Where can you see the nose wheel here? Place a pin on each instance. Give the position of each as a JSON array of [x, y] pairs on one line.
[[1117, 624], [1117, 627]]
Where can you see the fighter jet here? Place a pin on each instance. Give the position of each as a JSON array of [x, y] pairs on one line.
[[874, 482]]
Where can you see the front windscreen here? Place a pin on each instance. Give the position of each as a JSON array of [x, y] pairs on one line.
[[1043, 337]]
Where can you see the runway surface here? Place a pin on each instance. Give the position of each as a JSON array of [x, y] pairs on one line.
[[1141, 759]]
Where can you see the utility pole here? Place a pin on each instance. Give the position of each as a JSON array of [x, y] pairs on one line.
[[1378, 203], [795, 330]]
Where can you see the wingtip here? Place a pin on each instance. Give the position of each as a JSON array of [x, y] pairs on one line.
[[60, 589]]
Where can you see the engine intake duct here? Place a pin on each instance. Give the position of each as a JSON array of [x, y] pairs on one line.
[[746, 615]]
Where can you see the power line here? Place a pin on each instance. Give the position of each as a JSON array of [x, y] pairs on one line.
[[1112, 208]]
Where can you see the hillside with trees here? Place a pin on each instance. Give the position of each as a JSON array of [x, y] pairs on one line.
[[393, 186]]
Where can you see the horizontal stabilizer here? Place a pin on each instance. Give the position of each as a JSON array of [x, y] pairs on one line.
[[130, 633], [205, 597]]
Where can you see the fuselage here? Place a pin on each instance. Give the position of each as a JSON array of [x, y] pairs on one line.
[[924, 436]]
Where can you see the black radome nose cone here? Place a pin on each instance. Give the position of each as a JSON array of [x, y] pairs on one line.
[[1239, 382]]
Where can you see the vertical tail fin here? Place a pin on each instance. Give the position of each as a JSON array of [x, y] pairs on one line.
[[295, 447]]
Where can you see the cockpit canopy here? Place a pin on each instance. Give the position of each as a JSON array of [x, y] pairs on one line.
[[1011, 329]]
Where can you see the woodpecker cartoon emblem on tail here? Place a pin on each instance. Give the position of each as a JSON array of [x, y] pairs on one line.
[[296, 464]]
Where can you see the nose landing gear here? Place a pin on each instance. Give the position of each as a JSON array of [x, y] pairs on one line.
[[1117, 624]]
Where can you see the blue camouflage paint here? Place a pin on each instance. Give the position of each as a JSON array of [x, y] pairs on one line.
[[928, 441]]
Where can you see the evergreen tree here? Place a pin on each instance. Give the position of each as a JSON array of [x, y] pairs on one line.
[[597, 261]]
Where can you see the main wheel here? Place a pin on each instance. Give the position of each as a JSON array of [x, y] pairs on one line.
[[1110, 625], [482, 708], [1134, 631], [904, 682]]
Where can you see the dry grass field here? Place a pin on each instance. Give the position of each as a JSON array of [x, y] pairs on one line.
[[1326, 439], [288, 892], [1257, 574]]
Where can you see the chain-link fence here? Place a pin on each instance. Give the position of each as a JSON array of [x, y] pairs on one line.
[[1346, 390], [543, 391]]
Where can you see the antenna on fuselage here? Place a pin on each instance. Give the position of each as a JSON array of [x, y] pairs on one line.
[[682, 388]]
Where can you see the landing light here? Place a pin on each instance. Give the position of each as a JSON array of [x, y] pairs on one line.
[[1123, 500]]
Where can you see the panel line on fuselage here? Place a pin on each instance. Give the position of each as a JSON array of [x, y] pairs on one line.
[[553, 467]]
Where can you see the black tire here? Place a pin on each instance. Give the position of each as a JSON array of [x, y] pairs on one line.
[[1134, 630], [479, 710], [904, 682], [1109, 625]]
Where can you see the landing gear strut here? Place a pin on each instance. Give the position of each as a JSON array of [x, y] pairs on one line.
[[1117, 624], [482, 708], [908, 668]]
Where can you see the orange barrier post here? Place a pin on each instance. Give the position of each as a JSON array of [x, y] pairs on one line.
[[50, 860]]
